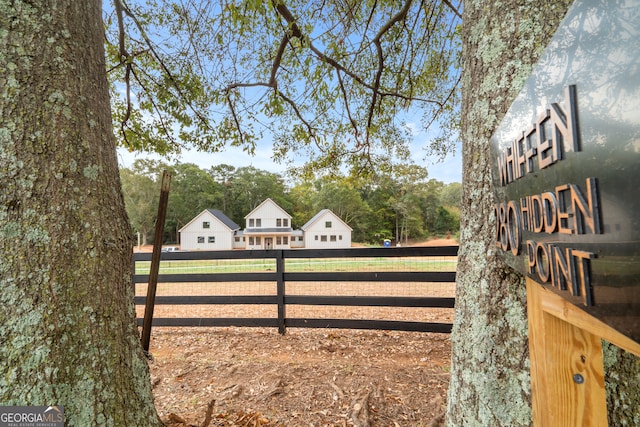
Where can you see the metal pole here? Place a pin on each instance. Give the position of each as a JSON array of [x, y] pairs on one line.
[[155, 260]]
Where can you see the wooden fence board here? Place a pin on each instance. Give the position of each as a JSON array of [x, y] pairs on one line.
[[281, 277]]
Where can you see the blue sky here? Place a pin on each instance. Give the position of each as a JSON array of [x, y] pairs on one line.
[[448, 170]]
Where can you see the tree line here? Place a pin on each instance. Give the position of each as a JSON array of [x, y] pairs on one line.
[[400, 205]]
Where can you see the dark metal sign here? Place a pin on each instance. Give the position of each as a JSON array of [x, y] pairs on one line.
[[566, 167]]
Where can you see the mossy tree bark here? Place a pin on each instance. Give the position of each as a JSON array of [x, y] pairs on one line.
[[67, 328], [490, 384]]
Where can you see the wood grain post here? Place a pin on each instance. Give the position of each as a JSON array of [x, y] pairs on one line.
[[155, 260], [567, 371]]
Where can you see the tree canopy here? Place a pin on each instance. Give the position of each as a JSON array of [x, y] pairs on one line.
[[328, 80]]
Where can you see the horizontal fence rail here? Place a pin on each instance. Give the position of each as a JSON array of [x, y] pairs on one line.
[[377, 266]]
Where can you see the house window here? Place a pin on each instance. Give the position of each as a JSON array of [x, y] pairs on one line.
[[237, 239], [278, 240], [250, 240], [206, 224], [323, 238], [340, 237], [327, 224], [211, 239], [285, 240], [285, 222], [258, 222], [258, 240], [316, 237], [300, 238], [200, 239], [251, 222], [278, 222], [332, 238]]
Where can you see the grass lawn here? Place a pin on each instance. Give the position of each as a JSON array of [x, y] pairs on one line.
[[301, 264]]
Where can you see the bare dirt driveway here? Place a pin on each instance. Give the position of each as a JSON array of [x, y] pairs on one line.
[[308, 377]]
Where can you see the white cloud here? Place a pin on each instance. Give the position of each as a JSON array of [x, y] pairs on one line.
[[231, 156], [413, 128]]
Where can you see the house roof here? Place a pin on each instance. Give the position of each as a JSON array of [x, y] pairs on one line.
[[319, 215], [268, 200], [313, 219], [219, 216], [224, 219]]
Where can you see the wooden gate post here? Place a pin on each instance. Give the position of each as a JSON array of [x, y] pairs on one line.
[[155, 260], [567, 371]]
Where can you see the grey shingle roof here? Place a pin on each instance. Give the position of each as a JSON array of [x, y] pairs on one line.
[[224, 219], [314, 219]]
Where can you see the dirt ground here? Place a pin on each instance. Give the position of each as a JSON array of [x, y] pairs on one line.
[[246, 377], [308, 377]]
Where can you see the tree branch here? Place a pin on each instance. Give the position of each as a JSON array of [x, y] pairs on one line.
[[124, 59], [129, 57], [343, 90], [400, 16], [285, 13], [453, 9], [293, 30], [121, 39], [298, 113], [164, 126], [235, 117], [163, 66], [278, 59]]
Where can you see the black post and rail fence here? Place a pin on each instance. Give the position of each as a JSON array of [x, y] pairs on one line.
[[283, 268]]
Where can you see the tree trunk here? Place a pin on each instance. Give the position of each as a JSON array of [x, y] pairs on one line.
[[490, 382], [67, 323], [489, 372]]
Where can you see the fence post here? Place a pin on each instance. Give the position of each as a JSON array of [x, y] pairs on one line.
[[155, 260], [282, 328]]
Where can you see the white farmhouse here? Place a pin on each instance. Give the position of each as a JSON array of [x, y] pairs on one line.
[[326, 230], [268, 226], [210, 230], [297, 239]]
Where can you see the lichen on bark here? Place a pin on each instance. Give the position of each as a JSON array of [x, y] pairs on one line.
[[66, 310], [490, 382], [490, 368]]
